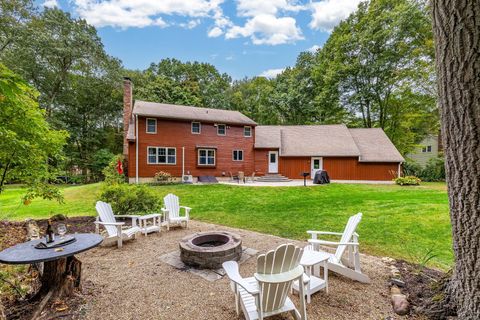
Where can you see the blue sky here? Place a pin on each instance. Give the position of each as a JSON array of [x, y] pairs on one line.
[[239, 37]]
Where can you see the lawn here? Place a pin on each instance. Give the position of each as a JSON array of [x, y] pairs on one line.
[[401, 222]]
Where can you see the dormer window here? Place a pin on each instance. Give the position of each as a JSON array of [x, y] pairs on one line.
[[247, 131], [151, 125], [221, 130], [196, 127]]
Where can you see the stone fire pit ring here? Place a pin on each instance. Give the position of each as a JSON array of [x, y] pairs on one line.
[[208, 250]]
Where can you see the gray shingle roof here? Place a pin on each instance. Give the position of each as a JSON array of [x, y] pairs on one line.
[[172, 111], [370, 145], [375, 146]]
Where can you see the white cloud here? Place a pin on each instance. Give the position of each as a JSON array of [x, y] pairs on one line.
[[190, 24], [142, 13], [314, 48], [229, 58], [215, 32], [271, 73], [328, 13], [252, 8], [50, 3], [267, 29]]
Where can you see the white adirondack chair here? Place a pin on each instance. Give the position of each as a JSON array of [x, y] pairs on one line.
[[171, 211], [114, 229], [347, 266], [266, 294]]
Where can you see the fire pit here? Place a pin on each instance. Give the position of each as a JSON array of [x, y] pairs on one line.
[[208, 250]]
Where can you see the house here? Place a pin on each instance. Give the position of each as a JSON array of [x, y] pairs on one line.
[[185, 140], [429, 148]]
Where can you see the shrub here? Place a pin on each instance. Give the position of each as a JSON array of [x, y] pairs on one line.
[[110, 172], [101, 159], [408, 181], [130, 199], [162, 177], [411, 168], [434, 170]]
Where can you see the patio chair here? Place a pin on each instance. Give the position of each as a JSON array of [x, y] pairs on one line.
[[114, 229], [266, 294], [233, 178], [171, 211], [347, 266], [251, 177]]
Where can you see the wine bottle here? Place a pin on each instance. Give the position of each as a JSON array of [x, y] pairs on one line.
[[50, 234]]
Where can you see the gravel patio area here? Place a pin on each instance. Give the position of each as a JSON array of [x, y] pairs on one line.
[[133, 283]]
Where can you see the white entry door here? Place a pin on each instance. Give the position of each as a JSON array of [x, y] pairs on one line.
[[273, 162], [317, 165]]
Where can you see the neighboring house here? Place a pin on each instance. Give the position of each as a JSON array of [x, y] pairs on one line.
[[184, 140], [428, 148]]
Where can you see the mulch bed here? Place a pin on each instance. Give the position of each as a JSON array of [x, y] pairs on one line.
[[422, 286], [18, 307]]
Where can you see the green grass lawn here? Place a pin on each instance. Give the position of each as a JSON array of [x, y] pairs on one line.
[[401, 222]]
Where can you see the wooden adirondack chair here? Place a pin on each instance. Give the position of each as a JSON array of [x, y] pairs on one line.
[[266, 294], [347, 266], [114, 229], [171, 211]]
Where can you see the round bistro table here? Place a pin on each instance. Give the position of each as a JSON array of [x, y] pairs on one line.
[[61, 270]]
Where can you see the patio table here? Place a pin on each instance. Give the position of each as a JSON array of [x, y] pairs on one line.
[[61, 270], [156, 223], [309, 260]]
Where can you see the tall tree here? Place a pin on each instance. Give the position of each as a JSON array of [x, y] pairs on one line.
[[457, 41], [27, 142], [377, 60], [14, 18]]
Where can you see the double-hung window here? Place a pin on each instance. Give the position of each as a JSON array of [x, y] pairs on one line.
[[427, 149], [162, 155], [221, 129], [151, 125], [247, 131], [206, 157], [237, 155], [196, 127]]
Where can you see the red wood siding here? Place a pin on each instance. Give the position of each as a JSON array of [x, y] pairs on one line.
[[339, 168], [348, 168], [178, 134], [292, 167]]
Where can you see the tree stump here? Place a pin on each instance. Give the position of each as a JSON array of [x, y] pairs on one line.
[[62, 276], [60, 279]]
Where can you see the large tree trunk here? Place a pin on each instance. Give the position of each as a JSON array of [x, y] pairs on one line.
[[457, 41]]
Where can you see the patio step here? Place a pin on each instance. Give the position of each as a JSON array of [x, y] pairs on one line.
[[273, 178]]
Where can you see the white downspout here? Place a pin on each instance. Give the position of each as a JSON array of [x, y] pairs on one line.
[[136, 149], [183, 162], [399, 169]]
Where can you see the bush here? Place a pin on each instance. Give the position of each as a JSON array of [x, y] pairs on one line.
[[130, 199], [162, 177], [408, 181], [411, 169], [101, 159], [112, 177], [434, 170]]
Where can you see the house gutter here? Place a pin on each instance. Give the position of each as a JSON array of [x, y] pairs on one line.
[[136, 149], [183, 162]]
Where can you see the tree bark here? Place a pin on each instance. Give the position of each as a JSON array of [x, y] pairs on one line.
[[457, 43], [62, 276]]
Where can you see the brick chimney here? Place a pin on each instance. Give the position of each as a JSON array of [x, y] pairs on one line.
[[127, 112]]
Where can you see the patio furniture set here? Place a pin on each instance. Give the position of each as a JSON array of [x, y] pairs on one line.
[[241, 177], [140, 224]]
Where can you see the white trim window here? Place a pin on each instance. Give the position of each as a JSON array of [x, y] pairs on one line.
[[237, 155], [151, 125], [427, 149], [247, 131], [206, 157], [221, 129], [161, 155], [196, 127]]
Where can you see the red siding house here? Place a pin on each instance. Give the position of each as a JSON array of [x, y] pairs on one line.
[[191, 141]]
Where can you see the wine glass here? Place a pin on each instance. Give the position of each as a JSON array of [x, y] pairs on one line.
[[62, 230]]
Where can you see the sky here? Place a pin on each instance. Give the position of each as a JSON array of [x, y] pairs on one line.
[[243, 38]]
